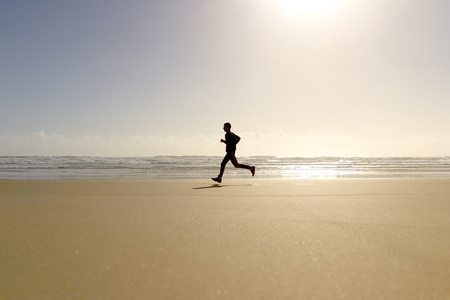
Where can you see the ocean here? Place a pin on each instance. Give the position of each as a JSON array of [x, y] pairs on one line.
[[199, 167]]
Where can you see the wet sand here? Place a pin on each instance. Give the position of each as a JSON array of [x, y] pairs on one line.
[[244, 239]]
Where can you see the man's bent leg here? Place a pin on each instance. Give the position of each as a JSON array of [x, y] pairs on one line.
[[236, 164]]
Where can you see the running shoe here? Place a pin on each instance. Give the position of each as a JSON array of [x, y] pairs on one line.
[[217, 179]]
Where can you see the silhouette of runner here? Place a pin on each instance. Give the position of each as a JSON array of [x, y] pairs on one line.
[[231, 140]]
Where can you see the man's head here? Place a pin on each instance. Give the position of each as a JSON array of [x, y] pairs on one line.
[[226, 127]]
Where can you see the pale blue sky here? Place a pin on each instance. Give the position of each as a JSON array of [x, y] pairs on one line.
[[354, 77]]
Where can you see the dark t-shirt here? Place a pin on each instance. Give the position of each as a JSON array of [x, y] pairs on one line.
[[231, 140]]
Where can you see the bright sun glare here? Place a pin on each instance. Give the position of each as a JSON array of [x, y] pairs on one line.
[[292, 7]]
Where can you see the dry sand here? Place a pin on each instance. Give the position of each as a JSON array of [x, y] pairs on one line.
[[248, 239]]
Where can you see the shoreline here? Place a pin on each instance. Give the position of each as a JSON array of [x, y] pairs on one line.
[[243, 239], [236, 178]]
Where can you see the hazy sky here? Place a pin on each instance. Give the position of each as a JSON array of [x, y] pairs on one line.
[[296, 78]]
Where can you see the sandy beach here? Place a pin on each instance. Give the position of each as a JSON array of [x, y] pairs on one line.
[[244, 239]]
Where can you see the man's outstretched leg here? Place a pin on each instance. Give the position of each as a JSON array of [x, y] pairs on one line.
[[222, 168]]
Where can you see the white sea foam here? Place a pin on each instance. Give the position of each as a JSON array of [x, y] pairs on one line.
[[86, 167]]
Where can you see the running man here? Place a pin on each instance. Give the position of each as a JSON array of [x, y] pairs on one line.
[[231, 140]]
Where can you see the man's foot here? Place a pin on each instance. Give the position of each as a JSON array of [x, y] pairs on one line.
[[252, 169], [217, 179]]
